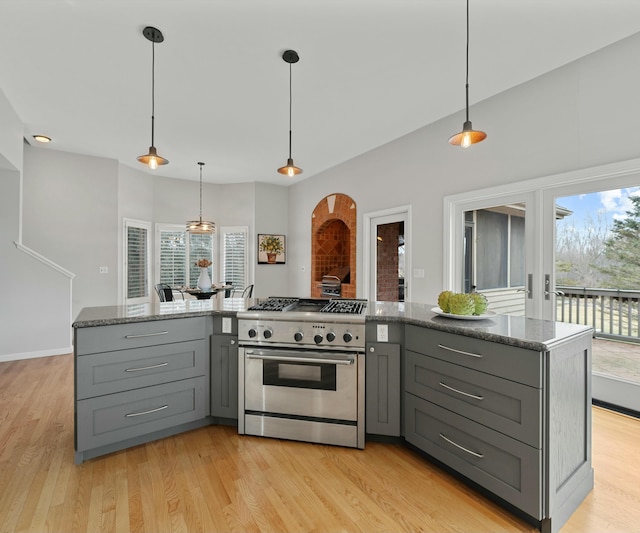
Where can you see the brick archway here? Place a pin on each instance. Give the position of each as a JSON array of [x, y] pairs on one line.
[[333, 242]]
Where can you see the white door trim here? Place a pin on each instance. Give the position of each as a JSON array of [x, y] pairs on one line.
[[367, 276]]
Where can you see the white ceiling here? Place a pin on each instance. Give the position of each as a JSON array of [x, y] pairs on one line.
[[370, 71]]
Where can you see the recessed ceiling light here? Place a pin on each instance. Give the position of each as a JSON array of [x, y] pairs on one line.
[[42, 138]]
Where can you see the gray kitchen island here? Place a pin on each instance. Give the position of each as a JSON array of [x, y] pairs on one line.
[[502, 403]]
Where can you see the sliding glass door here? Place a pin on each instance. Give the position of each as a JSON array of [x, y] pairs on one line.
[[520, 240]]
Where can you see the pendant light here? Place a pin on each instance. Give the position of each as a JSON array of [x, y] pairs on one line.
[[201, 226], [468, 135], [290, 56], [152, 159]]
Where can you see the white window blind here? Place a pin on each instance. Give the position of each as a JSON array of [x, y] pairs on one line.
[[177, 254], [234, 256], [173, 258], [137, 263]]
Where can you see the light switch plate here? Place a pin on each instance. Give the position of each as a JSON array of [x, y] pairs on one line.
[[226, 324], [383, 333]]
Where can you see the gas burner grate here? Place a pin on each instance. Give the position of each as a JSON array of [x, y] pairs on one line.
[[350, 307], [273, 304]]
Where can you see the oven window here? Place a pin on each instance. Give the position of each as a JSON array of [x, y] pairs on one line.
[[300, 375]]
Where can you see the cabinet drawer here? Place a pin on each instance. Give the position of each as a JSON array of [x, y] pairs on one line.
[[510, 362], [117, 417], [138, 334], [506, 406], [504, 466], [106, 373]]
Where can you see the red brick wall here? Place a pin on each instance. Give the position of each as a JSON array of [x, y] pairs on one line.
[[387, 262], [333, 241]]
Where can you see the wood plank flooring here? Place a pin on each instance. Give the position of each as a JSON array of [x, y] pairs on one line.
[[212, 479]]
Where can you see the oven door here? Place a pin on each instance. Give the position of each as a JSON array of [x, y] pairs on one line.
[[304, 383]]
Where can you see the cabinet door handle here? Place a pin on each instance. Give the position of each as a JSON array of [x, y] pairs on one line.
[[145, 367], [145, 335], [460, 351], [475, 454], [474, 396], [129, 415]]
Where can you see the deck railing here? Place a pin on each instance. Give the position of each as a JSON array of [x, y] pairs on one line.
[[613, 313]]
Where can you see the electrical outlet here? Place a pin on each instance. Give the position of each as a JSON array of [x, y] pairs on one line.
[[104, 270], [418, 272], [383, 333], [226, 324]]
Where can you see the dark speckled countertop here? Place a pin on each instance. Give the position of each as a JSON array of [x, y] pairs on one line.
[[528, 333]]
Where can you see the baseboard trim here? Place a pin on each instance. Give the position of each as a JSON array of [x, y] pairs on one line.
[[33, 355]]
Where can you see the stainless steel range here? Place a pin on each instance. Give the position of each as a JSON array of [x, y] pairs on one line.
[[301, 370]]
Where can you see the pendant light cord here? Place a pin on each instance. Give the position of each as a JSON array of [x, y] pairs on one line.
[[201, 164], [290, 109], [153, 88], [467, 78]]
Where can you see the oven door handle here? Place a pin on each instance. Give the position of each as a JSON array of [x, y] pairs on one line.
[[297, 359]]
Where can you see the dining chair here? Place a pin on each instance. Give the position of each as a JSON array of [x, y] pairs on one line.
[[164, 292], [248, 291]]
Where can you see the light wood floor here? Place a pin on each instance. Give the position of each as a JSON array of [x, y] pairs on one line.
[[211, 479]]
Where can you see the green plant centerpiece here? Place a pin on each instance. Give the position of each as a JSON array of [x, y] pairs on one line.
[[272, 246]]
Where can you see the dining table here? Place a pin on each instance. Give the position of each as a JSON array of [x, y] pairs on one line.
[[205, 295]]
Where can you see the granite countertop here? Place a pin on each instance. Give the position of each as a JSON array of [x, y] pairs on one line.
[[528, 333], [124, 314]]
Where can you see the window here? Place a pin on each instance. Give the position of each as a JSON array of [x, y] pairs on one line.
[[137, 283], [234, 256], [178, 252]]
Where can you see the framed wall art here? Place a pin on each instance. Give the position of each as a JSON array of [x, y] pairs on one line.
[[271, 249]]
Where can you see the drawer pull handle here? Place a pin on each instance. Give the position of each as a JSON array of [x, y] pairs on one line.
[[146, 367], [145, 335], [459, 351], [161, 408], [475, 454], [474, 396]]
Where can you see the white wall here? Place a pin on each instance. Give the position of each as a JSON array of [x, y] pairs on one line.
[[70, 208], [35, 315], [272, 218], [581, 115]]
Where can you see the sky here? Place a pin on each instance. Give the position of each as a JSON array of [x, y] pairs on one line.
[[610, 205]]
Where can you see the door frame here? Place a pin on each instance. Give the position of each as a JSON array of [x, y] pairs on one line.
[[394, 214], [546, 189], [454, 226]]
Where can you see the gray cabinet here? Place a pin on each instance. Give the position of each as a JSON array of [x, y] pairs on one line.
[[382, 389], [224, 369], [139, 381], [224, 376], [515, 421]]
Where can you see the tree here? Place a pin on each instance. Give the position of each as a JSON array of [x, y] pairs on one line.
[[580, 252], [622, 249]]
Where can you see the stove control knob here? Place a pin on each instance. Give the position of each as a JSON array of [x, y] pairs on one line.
[[317, 338], [252, 332], [268, 333], [331, 336], [298, 336], [347, 337]]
